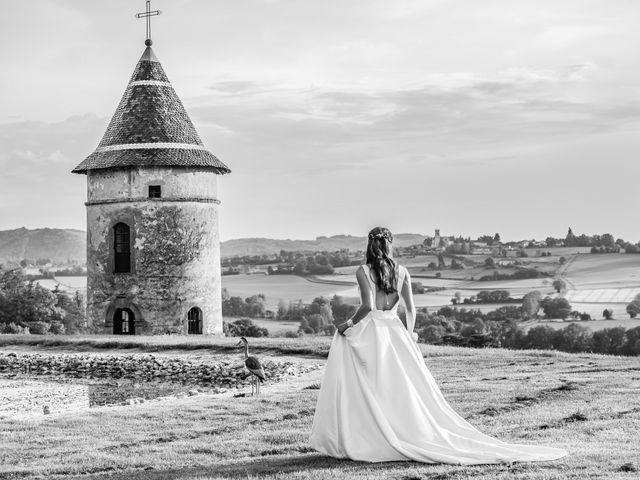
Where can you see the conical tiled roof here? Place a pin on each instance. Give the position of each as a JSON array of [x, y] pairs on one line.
[[150, 127]]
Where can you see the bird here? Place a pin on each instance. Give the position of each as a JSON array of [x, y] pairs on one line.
[[253, 365]]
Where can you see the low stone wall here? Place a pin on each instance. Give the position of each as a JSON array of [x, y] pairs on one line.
[[144, 367]]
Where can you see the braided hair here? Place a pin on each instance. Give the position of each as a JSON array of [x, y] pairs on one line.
[[383, 267]]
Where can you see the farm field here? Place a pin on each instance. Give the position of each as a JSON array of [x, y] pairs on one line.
[[287, 287], [606, 270], [587, 404], [67, 284]]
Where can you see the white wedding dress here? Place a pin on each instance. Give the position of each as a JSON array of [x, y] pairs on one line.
[[378, 402]]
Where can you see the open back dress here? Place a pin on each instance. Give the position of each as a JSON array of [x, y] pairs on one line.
[[379, 402]]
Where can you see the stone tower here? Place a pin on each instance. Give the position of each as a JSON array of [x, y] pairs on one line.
[[153, 250]]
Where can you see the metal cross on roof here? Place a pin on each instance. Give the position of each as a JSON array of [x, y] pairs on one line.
[[148, 14]]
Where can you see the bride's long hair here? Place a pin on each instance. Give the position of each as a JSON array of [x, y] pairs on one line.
[[384, 267]]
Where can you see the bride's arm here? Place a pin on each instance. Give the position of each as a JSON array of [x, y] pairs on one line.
[[366, 301], [407, 297]]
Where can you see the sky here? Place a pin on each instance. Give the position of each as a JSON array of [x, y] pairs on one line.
[[474, 117]]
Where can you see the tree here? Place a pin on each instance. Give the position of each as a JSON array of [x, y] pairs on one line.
[[341, 311], [300, 267], [607, 313], [631, 248], [562, 260], [27, 304], [540, 337], [488, 239], [457, 297], [531, 304], [432, 334], [632, 344], [496, 238], [608, 340], [556, 307], [455, 265], [283, 309], [316, 322], [489, 262], [633, 308], [326, 314], [559, 285], [573, 338], [244, 327]]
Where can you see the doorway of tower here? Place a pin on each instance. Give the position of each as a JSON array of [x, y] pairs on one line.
[[124, 322], [194, 321]]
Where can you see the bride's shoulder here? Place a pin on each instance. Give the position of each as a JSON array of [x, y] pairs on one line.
[[402, 271]]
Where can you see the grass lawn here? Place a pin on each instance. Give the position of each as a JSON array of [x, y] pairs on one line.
[[588, 404]]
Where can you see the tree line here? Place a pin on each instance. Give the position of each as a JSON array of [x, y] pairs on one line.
[[494, 331]]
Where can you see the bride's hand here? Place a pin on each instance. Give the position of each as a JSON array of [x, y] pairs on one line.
[[341, 327]]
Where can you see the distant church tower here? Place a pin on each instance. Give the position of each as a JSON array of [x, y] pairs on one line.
[[153, 249]]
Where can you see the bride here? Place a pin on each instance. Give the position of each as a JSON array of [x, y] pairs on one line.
[[378, 401]]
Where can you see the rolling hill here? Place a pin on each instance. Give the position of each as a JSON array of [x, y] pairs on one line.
[[62, 245]]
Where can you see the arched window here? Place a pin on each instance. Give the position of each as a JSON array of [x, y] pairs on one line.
[[122, 248], [124, 322], [194, 321]]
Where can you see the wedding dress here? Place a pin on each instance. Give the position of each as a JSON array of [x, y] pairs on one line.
[[379, 402]]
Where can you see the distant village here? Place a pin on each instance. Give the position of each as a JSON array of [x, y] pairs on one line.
[[505, 253]]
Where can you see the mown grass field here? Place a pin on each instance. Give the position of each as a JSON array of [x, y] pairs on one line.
[[587, 404]]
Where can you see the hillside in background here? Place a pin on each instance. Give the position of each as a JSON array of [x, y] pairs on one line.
[[267, 246], [60, 245], [63, 245]]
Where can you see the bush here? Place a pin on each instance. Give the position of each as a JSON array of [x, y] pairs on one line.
[[244, 328], [12, 328], [417, 287], [39, 328]]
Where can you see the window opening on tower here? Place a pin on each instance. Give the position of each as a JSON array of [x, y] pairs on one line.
[[122, 247], [155, 191]]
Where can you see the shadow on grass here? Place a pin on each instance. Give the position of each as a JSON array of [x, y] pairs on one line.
[[326, 467], [249, 468]]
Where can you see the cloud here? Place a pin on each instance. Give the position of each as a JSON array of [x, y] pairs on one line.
[[37, 187]]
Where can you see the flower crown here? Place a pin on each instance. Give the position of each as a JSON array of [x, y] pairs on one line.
[[384, 234]]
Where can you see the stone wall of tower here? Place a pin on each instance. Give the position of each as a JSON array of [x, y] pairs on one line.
[[175, 249]]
